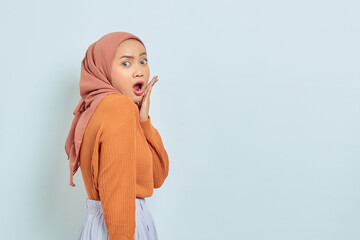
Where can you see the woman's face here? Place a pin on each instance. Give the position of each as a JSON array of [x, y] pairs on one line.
[[129, 67]]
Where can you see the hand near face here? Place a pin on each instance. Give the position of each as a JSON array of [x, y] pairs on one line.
[[144, 104]]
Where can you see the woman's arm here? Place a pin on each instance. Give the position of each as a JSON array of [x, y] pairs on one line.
[[160, 156], [117, 171]]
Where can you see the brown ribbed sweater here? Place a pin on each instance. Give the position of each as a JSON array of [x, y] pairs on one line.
[[121, 158]]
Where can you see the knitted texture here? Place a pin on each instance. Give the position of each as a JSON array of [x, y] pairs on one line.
[[121, 158]]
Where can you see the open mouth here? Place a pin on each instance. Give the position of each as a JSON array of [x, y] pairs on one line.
[[137, 88]]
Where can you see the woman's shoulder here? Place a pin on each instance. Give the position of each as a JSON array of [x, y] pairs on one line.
[[115, 108], [114, 99]]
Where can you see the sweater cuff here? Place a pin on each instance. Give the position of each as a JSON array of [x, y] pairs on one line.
[[120, 232], [146, 125]]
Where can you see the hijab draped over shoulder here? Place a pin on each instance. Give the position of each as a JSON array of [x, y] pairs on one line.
[[94, 85]]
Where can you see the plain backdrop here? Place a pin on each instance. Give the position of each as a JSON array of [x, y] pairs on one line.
[[257, 104]]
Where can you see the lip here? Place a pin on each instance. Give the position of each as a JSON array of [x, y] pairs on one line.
[[140, 92]]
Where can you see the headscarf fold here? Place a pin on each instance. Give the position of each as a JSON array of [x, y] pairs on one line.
[[94, 86]]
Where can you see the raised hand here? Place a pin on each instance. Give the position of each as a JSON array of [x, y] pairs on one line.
[[144, 104]]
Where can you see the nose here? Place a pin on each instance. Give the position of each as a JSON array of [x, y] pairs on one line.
[[138, 71]]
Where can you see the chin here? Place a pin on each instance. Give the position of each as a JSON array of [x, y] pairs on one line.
[[136, 98]]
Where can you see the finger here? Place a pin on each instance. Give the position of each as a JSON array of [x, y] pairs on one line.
[[146, 93], [148, 87], [152, 81], [155, 81], [147, 96], [149, 92], [152, 86]]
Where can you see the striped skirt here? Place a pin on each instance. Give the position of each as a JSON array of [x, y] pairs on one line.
[[93, 226]]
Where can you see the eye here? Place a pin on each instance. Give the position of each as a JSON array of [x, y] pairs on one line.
[[126, 62], [144, 60]]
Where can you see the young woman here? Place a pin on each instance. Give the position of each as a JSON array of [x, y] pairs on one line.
[[120, 153]]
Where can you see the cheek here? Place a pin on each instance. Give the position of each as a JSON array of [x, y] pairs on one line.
[[147, 72], [117, 73], [119, 78]]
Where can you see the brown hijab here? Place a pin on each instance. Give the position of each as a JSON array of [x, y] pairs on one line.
[[94, 85]]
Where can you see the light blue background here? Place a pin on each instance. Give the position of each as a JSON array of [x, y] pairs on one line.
[[257, 104]]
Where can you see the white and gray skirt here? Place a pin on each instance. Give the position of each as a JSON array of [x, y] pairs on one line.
[[93, 226]]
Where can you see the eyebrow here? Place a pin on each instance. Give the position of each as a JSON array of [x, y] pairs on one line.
[[126, 56]]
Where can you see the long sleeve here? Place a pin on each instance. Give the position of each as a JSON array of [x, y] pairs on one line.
[[117, 170], [159, 154]]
